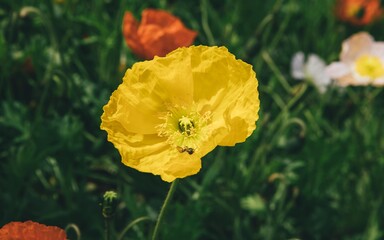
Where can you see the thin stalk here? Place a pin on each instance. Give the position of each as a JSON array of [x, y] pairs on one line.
[[163, 208], [75, 228], [204, 22], [267, 58], [107, 228], [251, 43], [132, 224]]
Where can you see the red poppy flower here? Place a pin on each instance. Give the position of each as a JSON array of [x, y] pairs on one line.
[[158, 33], [358, 12], [31, 231]]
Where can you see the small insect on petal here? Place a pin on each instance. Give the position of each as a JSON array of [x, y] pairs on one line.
[[187, 149]]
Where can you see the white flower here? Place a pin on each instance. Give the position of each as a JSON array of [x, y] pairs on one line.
[[313, 70], [361, 62]]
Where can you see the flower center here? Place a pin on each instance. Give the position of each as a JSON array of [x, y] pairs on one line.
[[184, 128], [186, 125], [369, 66]]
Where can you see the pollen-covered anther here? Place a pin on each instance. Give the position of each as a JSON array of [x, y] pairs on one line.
[[186, 125], [184, 128]]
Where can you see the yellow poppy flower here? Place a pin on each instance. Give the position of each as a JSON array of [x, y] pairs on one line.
[[171, 111]]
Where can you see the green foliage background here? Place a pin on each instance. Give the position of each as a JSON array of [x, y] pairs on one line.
[[313, 169]]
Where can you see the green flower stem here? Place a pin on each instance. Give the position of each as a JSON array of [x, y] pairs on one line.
[[107, 228], [163, 208], [109, 208], [75, 228], [267, 58], [132, 224], [204, 21]]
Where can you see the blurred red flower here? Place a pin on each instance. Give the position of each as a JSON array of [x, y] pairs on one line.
[[358, 12], [31, 231], [158, 33]]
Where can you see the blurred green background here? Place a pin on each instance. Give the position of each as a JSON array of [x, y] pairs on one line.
[[313, 169]]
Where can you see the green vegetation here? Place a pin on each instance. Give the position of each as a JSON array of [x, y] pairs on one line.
[[313, 169]]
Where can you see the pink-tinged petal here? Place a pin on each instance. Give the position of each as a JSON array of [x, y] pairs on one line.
[[353, 79], [337, 70], [345, 81], [378, 49], [378, 82], [355, 46]]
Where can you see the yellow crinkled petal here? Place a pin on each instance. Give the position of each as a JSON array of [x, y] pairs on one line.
[[212, 92], [242, 113], [130, 111], [166, 79], [167, 162], [150, 153], [230, 88]]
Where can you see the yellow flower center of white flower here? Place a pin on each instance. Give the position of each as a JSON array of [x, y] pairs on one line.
[[369, 66], [184, 129]]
